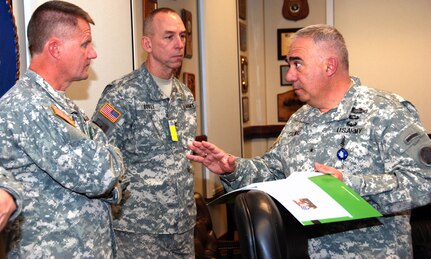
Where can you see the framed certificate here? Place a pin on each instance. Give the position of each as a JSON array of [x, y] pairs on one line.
[[284, 39]]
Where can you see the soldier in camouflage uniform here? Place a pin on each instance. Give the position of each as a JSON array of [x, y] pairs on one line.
[[68, 171], [370, 139], [151, 116], [10, 199]]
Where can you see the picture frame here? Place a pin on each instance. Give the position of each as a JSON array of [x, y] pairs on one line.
[[189, 81], [244, 74], [242, 9], [245, 109], [283, 72], [287, 104], [242, 36], [187, 20], [149, 6], [284, 40]]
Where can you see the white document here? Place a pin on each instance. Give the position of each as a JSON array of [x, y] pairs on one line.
[[304, 199]]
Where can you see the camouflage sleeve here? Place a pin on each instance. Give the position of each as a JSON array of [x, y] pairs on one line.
[[269, 167], [406, 153], [63, 151], [14, 189], [116, 194]]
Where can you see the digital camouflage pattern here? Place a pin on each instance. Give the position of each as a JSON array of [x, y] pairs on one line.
[[161, 197], [68, 172], [177, 246], [387, 164]]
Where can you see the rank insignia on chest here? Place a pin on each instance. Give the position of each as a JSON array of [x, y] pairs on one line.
[[63, 115], [110, 112]]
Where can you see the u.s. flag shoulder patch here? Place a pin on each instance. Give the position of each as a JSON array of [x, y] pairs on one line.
[[110, 112]]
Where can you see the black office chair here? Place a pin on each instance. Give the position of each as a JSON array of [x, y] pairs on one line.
[[266, 230]]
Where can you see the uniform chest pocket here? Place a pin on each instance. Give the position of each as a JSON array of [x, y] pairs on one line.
[[150, 131]]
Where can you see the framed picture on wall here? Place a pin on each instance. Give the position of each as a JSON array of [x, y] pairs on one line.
[[245, 110], [242, 9], [284, 39], [149, 6], [283, 72], [244, 74], [187, 20], [287, 104], [242, 36], [189, 81]]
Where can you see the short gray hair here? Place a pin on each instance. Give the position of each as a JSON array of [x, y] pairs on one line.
[[148, 22], [329, 35]]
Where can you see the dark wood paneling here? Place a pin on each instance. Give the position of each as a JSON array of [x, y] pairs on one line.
[[262, 131]]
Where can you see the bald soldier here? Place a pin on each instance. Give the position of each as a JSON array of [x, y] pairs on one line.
[[151, 116]]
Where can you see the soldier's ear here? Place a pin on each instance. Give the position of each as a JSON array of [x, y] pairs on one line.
[[53, 45], [146, 44], [331, 66]]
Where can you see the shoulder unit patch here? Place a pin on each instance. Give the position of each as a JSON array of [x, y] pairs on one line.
[[63, 115]]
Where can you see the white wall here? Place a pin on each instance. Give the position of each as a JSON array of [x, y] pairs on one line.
[[220, 87], [220, 78], [390, 46]]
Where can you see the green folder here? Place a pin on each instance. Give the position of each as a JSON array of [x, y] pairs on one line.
[[346, 197]]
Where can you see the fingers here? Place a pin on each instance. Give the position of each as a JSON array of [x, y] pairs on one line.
[[204, 148], [215, 159], [201, 152], [328, 170], [321, 168], [208, 148], [195, 158]]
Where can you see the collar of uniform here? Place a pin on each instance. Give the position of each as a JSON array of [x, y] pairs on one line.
[[308, 114], [154, 92], [59, 98]]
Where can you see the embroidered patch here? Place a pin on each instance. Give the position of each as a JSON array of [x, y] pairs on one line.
[[63, 115], [110, 112]]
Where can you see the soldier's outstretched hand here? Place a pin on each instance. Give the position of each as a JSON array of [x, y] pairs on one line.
[[215, 159]]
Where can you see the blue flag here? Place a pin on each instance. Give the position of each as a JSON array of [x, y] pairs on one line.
[[9, 52]]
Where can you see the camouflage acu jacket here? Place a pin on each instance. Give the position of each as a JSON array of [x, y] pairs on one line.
[[387, 163], [67, 171], [152, 131]]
